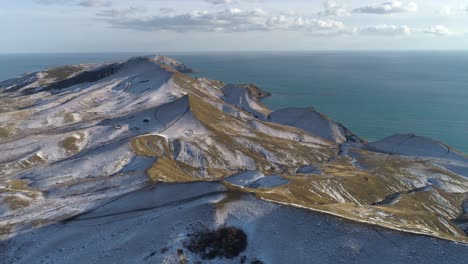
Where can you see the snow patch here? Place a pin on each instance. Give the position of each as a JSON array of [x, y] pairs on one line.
[[309, 120], [412, 145], [239, 96], [245, 179]]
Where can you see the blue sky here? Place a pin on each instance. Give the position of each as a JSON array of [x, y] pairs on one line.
[[231, 25]]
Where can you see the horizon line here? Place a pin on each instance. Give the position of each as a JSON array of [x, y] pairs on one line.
[[236, 51]]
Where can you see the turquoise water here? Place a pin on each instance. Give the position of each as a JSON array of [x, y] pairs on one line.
[[374, 94]]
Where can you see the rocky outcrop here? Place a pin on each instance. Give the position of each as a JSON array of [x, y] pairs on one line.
[[177, 65]]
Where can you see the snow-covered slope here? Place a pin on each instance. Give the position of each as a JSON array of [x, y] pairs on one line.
[[153, 226], [313, 122], [412, 145], [122, 148]]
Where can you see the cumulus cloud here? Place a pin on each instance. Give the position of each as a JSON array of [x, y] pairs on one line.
[[438, 30], [387, 8], [386, 30], [333, 8], [396, 30], [228, 20]]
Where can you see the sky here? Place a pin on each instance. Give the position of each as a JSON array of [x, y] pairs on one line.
[[44, 26]]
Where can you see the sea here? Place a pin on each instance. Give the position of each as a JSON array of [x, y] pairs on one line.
[[375, 94]]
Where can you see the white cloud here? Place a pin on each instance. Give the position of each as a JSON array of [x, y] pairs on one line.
[[444, 11], [387, 8], [220, 2], [129, 12], [231, 2], [333, 8], [228, 20], [395, 30], [95, 3], [166, 10], [51, 2], [83, 3], [386, 30], [438, 30]]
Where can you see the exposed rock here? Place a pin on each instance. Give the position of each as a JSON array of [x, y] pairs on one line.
[[177, 65], [255, 91]]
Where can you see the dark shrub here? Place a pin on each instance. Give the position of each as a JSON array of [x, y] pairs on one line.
[[257, 262], [226, 242]]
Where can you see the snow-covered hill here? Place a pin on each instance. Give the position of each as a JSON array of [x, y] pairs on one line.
[[119, 162]]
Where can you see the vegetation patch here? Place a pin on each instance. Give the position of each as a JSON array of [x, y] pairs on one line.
[[6, 230], [7, 131], [17, 194], [64, 72], [169, 170], [150, 146], [4, 132], [15, 202], [31, 161], [84, 77], [71, 143], [68, 118], [225, 242]]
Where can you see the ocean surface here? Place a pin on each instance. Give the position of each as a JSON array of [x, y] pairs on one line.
[[375, 94]]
